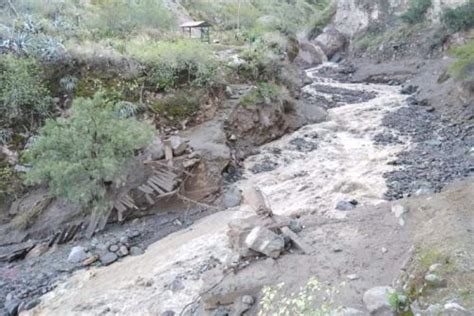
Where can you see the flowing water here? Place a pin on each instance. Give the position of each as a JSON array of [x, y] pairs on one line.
[[322, 164], [308, 171]]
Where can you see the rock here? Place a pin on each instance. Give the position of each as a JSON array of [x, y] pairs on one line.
[[454, 309], [310, 55], [398, 210], [295, 226], [265, 241], [247, 299], [136, 251], [155, 151], [133, 233], [32, 304], [242, 305], [376, 299], [168, 313], [435, 309], [331, 42], [424, 191], [176, 285], [125, 240], [77, 254], [108, 258], [435, 280], [11, 306], [384, 250], [430, 109], [232, 197], [144, 282], [410, 89], [291, 236], [114, 248], [178, 145], [347, 311], [435, 267], [345, 206], [123, 251], [353, 277]]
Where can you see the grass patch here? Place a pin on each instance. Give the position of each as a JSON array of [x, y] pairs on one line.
[[429, 257], [463, 66], [177, 106], [315, 298], [170, 64]]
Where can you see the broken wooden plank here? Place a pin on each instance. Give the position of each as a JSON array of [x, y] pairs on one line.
[[163, 183], [156, 188], [168, 152], [17, 254], [119, 206], [145, 189], [165, 174], [254, 197], [149, 199], [297, 241]]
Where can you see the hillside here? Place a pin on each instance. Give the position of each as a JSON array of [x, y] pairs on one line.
[[309, 157]]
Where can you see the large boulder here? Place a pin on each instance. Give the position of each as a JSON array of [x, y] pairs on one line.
[[77, 255], [376, 300], [265, 241], [310, 55], [331, 42]]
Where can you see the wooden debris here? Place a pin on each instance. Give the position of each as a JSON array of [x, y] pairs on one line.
[[297, 241], [17, 254], [168, 152], [254, 197], [90, 260]]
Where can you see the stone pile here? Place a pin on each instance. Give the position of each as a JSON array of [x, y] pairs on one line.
[[264, 234], [106, 252]]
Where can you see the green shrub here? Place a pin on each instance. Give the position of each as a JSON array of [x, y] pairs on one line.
[[322, 19], [24, 98], [399, 303], [122, 18], [170, 64], [78, 156], [264, 93], [261, 64], [10, 183], [416, 11], [460, 18], [178, 105], [463, 67]]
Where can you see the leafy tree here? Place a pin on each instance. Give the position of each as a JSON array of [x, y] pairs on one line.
[[24, 98], [80, 156]]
